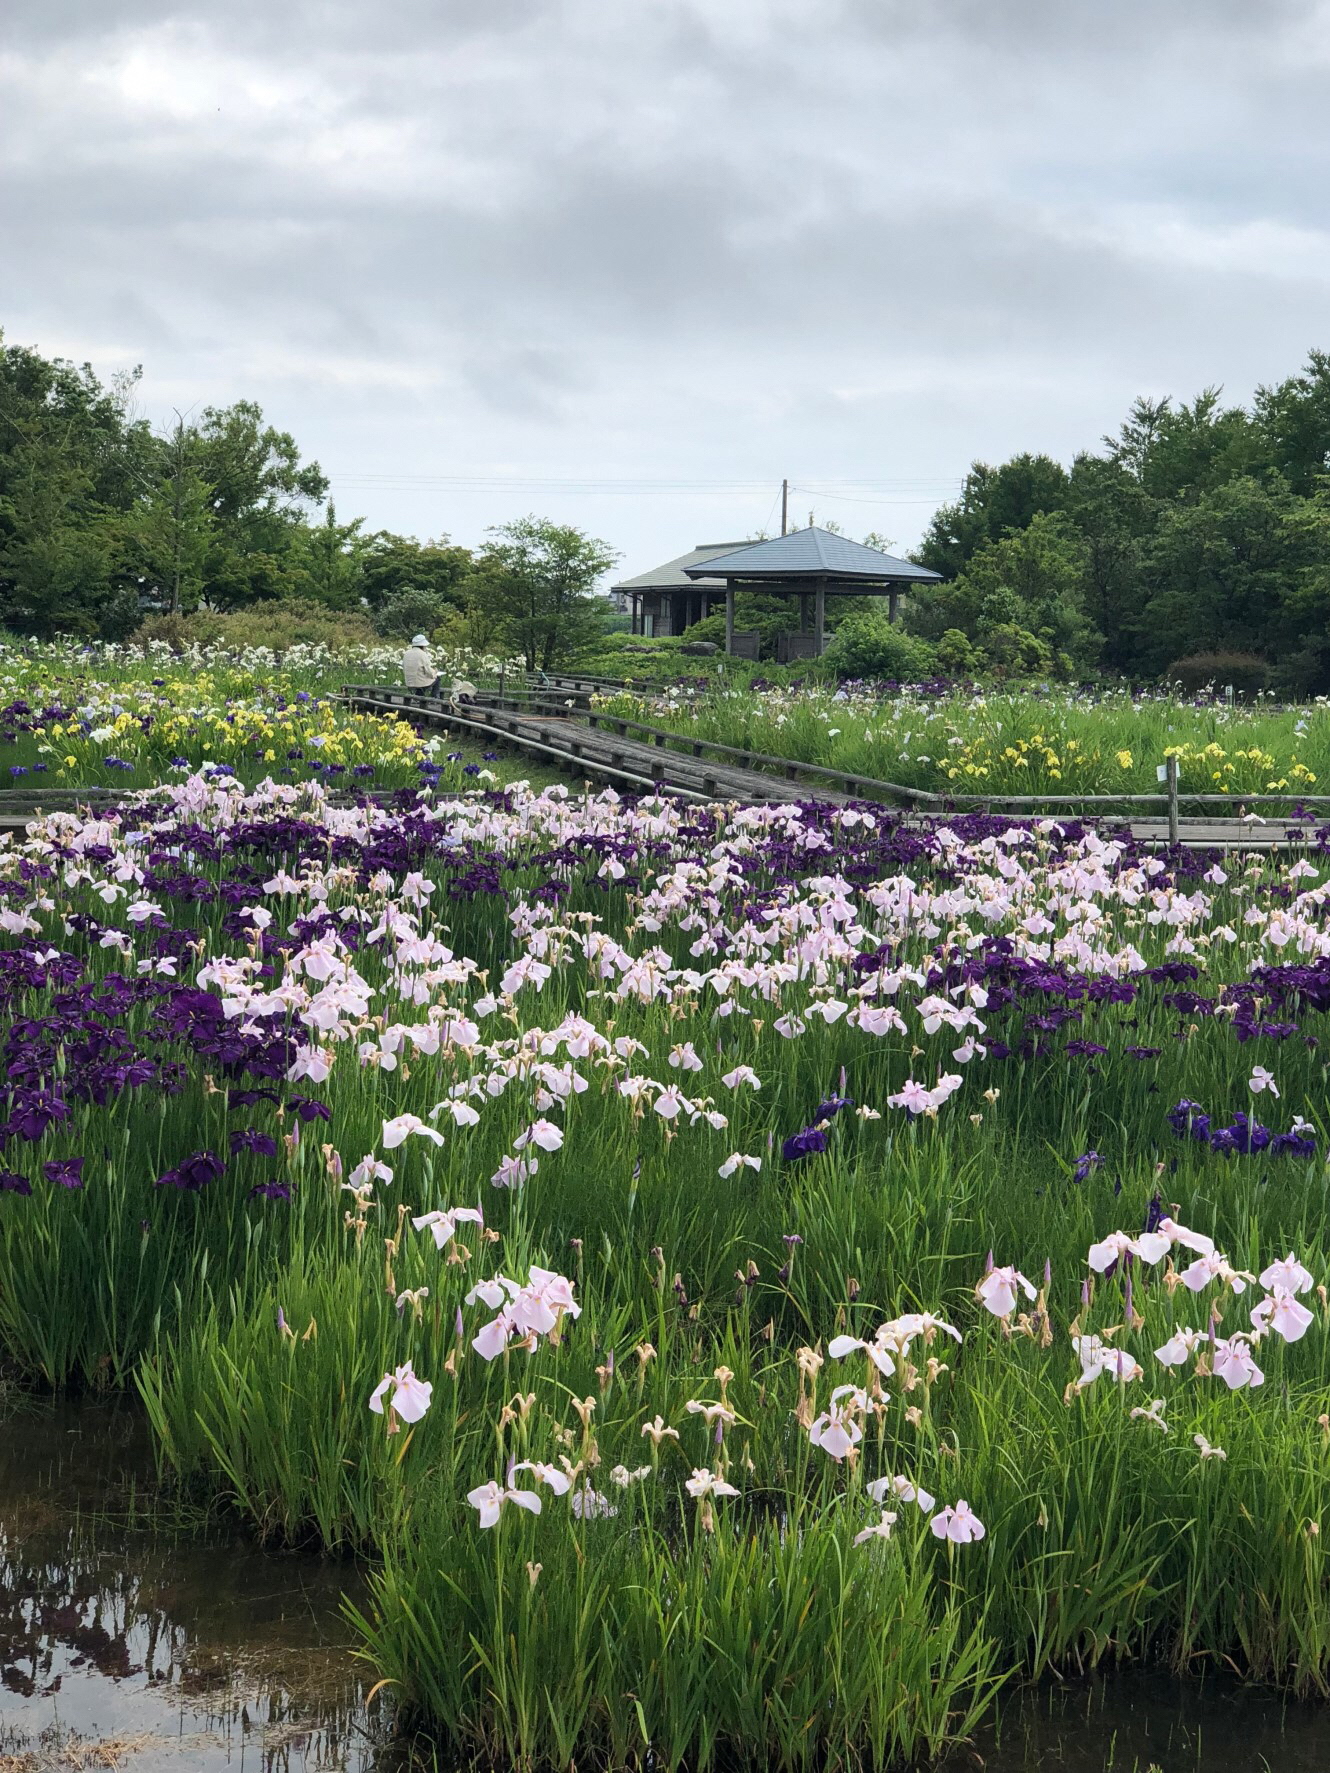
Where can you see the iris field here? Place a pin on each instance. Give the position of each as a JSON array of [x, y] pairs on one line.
[[1031, 740], [752, 1282]]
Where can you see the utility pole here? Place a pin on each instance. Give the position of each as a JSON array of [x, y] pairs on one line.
[[784, 505]]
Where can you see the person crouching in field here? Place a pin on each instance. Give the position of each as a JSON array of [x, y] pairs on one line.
[[418, 671]]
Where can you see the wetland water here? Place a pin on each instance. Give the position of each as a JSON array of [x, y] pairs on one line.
[[127, 1641]]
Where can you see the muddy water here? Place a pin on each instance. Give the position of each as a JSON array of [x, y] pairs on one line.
[[130, 1641], [1131, 1721], [133, 1641]]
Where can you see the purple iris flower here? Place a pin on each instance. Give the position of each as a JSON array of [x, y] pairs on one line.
[[10, 1183], [272, 1190], [1088, 1161], [193, 1174], [67, 1172], [251, 1139], [831, 1107], [804, 1144], [308, 1109]]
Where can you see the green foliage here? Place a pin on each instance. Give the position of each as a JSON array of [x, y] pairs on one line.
[[1200, 527], [287, 622], [413, 611], [167, 534], [1012, 651], [1020, 598], [392, 566], [872, 646], [753, 610], [954, 654], [993, 502], [102, 521], [1247, 674], [328, 559], [535, 583]]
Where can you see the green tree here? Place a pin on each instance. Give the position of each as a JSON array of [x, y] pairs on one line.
[[1033, 580], [1179, 453], [1243, 569], [537, 582], [168, 532], [993, 502], [1113, 515], [262, 496], [328, 560], [394, 565], [1294, 419], [72, 459]]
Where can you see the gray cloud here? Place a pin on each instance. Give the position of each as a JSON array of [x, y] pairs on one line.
[[855, 241]]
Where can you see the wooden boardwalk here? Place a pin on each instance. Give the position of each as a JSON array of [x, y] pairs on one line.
[[631, 755], [555, 724]]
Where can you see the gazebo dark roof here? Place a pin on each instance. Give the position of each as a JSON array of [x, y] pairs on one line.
[[815, 555], [670, 577]]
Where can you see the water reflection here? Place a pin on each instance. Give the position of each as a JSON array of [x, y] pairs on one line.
[[176, 1650], [1130, 1721], [129, 1641]]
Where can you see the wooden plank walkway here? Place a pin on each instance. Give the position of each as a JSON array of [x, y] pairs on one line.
[[581, 748]]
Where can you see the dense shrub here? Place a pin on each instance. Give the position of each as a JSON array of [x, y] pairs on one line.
[[955, 654], [410, 612], [1247, 672], [871, 646], [770, 616], [277, 625], [1012, 651]]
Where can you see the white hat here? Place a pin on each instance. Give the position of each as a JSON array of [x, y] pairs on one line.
[[420, 640]]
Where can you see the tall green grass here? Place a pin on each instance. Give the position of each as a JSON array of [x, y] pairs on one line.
[[665, 1632]]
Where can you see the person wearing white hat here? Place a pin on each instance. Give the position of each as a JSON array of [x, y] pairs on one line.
[[418, 672]]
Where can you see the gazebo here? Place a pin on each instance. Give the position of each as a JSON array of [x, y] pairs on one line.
[[664, 601], [815, 561]]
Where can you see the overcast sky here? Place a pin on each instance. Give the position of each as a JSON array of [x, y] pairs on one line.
[[462, 248]]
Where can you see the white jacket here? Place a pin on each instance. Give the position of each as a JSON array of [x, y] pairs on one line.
[[418, 668]]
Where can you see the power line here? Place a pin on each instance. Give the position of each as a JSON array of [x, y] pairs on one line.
[[821, 492], [588, 485]]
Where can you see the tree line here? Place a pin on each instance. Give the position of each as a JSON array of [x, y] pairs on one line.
[[107, 523], [1196, 538]]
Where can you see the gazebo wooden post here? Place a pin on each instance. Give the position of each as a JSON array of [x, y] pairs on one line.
[[893, 604], [819, 617], [729, 615]]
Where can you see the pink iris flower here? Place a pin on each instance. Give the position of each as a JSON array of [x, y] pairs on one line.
[[1149, 1246], [490, 1498], [1233, 1362], [836, 1430], [1288, 1274], [882, 1529], [1180, 1345], [900, 1487], [443, 1225], [397, 1131], [1204, 1269], [1281, 1313], [840, 1346], [958, 1523], [997, 1290], [410, 1396]]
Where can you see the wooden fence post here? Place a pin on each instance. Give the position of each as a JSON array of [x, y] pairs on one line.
[[1171, 764]]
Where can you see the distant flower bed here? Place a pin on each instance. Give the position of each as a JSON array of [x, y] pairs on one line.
[[653, 1228], [970, 741]]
